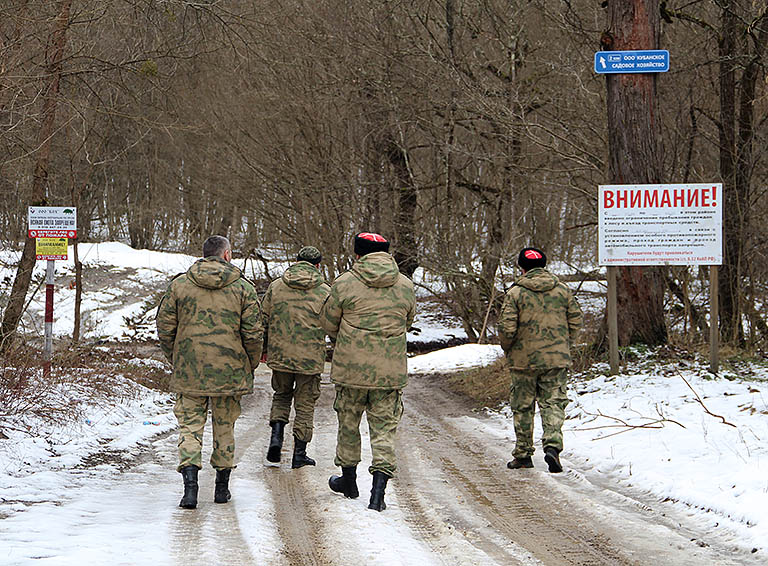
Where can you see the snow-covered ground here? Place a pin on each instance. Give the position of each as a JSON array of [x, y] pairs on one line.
[[118, 285], [673, 433], [670, 431]]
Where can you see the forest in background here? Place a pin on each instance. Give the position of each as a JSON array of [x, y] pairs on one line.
[[460, 130]]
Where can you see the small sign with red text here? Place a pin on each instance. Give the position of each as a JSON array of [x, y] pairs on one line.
[[52, 222], [51, 248], [679, 224]]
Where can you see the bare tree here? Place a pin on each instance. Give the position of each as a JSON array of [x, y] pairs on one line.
[[50, 94]]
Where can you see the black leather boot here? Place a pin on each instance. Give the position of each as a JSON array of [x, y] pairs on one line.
[[221, 492], [300, 457], [189, 474], [346, 483], [552, 458], [275, 441], [520, 463], [377, 491]]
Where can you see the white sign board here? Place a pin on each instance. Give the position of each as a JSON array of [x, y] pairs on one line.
[[52, 222], [678, 224]]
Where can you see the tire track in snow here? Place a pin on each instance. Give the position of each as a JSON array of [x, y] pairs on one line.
[[436, 513], [297, 524], [514, 508], [211, 533]]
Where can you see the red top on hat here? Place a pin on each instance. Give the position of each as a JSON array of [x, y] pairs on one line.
[[371, 236], [532, 254]]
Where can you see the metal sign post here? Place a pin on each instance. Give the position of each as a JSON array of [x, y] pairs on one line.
[[51, 226], [48, 348], [613, 326], [714, 316]]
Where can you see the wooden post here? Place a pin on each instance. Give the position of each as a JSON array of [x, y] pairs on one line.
[[613, 326], [714, 326]]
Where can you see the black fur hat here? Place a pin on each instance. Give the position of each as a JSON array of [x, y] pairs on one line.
[[368, 242], [531, 258]]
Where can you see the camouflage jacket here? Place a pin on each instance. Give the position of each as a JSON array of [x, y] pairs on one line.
[[209, 329], [539, 321], [368, 312], [290, 312]]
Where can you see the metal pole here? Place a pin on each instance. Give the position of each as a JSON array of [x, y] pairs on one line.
[[613, 325], [48, 349], [714, 315]]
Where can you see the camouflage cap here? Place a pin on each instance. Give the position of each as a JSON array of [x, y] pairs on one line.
[[310, 254]]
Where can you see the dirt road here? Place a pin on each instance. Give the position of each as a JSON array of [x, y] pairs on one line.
[[453, 503], [455, 498]]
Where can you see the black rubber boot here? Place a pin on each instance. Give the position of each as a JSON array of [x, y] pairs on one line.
[[346, 483], [377, 491], [189, 474], [275, 441], [518, 463], [552, 458], [221, 492], [300, 457]]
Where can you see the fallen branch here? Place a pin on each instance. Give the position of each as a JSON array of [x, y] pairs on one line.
[[699, 400], [626, 426]]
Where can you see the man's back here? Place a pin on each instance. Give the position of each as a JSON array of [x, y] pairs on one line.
[[291, 311], [538, 320], [368, 313], [208, 323]]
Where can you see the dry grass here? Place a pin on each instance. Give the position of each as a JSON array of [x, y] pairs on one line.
[[487, 385], [122, 358], [25, 394], [80, 377]]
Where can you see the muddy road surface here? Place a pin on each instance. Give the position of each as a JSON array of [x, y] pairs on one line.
[[455, 499], [453, 503]]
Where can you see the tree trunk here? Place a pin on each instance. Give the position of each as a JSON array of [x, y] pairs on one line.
[[633, 132], [729, 272], [736, 164], [405, 254], [15, 308]]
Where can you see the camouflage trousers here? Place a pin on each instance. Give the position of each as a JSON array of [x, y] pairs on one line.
[[191, 411], [383, 409], [304, 391], [547, 388]]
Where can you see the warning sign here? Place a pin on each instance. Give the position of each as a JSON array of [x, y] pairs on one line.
[[660, 224], [52, 222], [51, 248]]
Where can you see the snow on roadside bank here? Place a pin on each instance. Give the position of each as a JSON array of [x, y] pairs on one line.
[[646, 431], [39, 461], [453, 359]]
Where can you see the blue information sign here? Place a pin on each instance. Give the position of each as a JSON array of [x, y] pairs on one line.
[[656, 61]]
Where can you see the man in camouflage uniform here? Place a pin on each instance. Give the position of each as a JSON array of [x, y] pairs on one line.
[[290, 313], [368, 313], [538, 323], [209, 329]]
